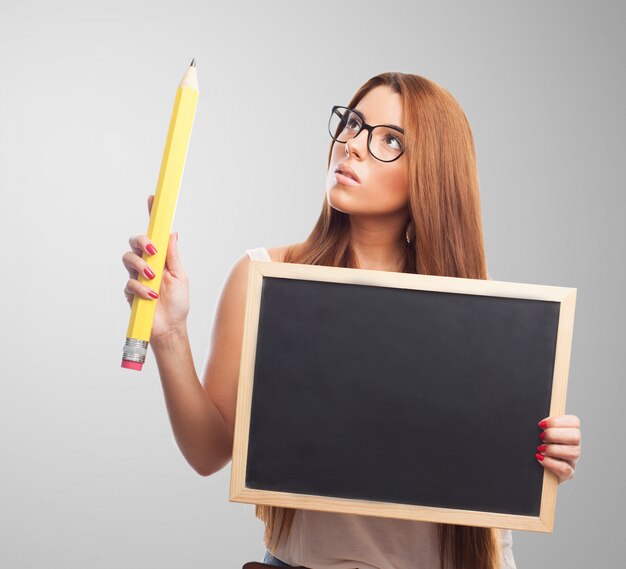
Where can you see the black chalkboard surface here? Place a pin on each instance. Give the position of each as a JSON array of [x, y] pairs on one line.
[[400, 395]]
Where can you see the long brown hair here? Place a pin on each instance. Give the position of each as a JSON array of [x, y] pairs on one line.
[[445, 239]]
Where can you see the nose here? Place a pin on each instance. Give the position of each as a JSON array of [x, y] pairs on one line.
[[358, 145]]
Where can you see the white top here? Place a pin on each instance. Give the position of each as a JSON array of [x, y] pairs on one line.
[[329, 540], [259, 254]]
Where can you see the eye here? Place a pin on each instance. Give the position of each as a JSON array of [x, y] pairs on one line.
[[352, 123], [391, 139]]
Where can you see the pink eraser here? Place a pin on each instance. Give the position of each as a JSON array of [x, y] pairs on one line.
[[132, 365]]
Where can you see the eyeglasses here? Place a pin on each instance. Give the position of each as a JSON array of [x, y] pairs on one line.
[[384, 142]]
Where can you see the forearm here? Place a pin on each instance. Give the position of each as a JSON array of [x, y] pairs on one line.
[[199, 429]]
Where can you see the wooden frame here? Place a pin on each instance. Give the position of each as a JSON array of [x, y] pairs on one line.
[[544, 522]]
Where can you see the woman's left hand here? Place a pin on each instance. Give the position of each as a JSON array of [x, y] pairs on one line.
[[559, 450]]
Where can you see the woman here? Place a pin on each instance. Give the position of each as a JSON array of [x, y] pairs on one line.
[[402, 195]]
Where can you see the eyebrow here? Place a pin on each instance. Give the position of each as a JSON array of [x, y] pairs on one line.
[[391, 125]]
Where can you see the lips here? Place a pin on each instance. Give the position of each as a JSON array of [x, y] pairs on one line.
[[346, 171]]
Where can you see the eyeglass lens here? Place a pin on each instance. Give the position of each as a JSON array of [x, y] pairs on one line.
[[386, 143]]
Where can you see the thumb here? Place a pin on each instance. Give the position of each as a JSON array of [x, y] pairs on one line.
[[174, 263]]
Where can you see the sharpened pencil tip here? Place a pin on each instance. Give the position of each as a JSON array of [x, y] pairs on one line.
[[193, 62]]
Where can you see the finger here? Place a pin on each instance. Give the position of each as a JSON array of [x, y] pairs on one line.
[[174, 263], [141, 244], [566, 436], [135, 288], [563, 469], [560, 421], [150, 202], [135, 265], [129, 265], [565, 452]]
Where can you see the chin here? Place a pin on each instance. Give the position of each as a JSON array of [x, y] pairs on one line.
[[337, 199]]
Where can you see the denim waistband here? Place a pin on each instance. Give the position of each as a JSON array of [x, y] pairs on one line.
[[271, 560]]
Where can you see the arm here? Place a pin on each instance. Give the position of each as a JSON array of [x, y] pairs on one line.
[[203, 415], [198, 427]]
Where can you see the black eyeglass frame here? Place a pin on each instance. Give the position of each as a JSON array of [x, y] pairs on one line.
[[367, 127]]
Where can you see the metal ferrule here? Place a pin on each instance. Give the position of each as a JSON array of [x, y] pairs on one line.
[[135, 350]]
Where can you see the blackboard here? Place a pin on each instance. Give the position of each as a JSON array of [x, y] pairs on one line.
[[400, 395]]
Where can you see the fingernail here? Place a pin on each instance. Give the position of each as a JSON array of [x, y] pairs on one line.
[[148, 273], [542, 436], [151, 249], [542, 448], [539, 456], [543, 424], [153, 294]]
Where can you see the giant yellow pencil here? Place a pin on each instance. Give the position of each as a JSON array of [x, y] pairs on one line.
[[162, 216]]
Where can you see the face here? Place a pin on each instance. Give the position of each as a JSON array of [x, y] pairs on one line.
[[382, 188]]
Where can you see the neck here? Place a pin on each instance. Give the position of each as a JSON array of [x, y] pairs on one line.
[[378, 245]]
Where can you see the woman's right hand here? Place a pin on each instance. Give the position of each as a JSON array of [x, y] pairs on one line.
[[173, 301]]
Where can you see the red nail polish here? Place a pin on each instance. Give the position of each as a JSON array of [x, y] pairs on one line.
[[148, 273], [539, 456], [543, 424], [153, 294], [541, 448], [151, 249], [542, 436]]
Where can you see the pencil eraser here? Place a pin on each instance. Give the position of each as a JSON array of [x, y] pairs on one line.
[[132, 365]]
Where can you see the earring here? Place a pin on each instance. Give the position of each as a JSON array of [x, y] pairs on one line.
[[406, 233]]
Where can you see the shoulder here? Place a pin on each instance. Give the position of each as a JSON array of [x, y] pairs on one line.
[[236, 281], [277, 254], [239, 270]]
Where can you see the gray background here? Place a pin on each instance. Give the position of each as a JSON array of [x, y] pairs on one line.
[[91, 474]]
